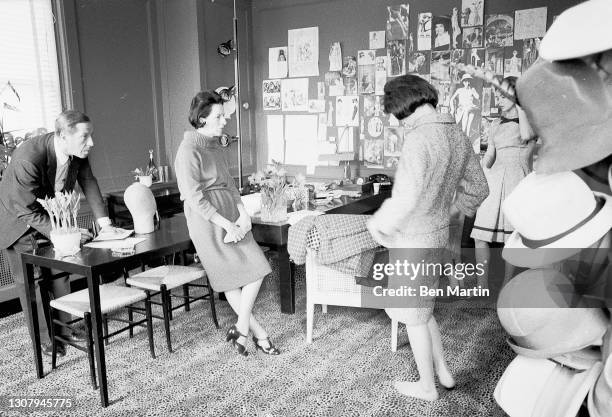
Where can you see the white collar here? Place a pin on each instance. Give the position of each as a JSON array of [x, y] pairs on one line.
[[60, 156]]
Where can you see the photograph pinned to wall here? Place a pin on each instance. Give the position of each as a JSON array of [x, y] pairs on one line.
[[349, 66], [350, 85], [475, 57], [334, 83], [301, 138], [499, 31], [303, 52], [374, 127], [377, 39], [335, 57], [373, 151], [472, 13], [444, 93], [424, 32], [294, 94], [322, 129], [418, 62], [457, 56], [321, 90], [366, 57], [531, 52], [271, 94], [316, 106], [455, 29], [277, 62], [465, 106], [530, 23], [367, 78], [329, 106], [397, 22], [347, 111], [396, 50], [513, 61], [441, 33], [472, 37], [382, 63], [276, 138], [372, 106], [440, 65], [494, 60], [393, 143]]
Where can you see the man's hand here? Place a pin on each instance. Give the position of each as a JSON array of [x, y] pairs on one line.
[[244, 222], [85, 236]]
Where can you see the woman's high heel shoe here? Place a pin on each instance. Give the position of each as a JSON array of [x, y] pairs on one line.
[[270, 350], [232, 336]]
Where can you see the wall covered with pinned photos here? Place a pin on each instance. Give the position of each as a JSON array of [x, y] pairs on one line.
[[321, 67]]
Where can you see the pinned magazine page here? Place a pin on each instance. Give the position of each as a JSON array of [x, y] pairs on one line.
[[366, 57], [531, 52], [373, 152], [471, 37], [350, 85], [442, 34], [335, 57], [303, 52], [396, 50], [380, 77], [277, 62], [424, 32], [397, 22], [457, 56], [271, 94], [440, 66], [294, 94], [367, 79], [346, 138], [334, 82], [513, 61], [377, 39], [349, 68], [495, 60], [530, 23], [472, 13], [418, 62], [499, 31]]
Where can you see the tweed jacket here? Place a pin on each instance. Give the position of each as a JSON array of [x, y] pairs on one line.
[[344, 242], [437, 168], [31, 175]]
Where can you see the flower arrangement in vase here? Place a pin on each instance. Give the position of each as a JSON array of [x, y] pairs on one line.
[[145, 176], [272, 184], [298, 192], [63, 210]]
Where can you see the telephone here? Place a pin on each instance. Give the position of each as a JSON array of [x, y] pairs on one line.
[[380, 178]]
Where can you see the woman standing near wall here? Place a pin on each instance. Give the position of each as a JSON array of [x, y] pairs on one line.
[[218, 223]]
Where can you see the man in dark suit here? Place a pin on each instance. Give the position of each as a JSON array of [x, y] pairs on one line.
[[40, 167]]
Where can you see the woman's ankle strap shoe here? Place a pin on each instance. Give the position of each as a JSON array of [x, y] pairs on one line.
[[240, 348], [233, 334], [269, 350]]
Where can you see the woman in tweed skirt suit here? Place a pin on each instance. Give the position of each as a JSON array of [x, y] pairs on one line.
[[218, 223], [436, 158]]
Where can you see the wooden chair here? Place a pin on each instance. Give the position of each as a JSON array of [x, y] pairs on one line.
[[327, 286]]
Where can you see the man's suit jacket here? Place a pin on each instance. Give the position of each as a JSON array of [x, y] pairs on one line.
[[31, 175]]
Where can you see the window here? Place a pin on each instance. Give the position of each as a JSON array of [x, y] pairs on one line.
[[30, 95]]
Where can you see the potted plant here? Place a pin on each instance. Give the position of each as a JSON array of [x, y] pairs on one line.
[[272, 184], [145, 176]]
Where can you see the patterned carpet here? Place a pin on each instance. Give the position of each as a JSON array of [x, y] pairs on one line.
[[347, 371]]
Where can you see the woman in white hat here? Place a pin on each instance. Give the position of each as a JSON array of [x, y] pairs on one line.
[[509, 158], [467, 100]]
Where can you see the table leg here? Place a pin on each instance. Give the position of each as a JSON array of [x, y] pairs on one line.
[[32, 316], [96, 315], [287, 281]]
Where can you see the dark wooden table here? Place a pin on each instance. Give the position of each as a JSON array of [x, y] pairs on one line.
[[273, 235], [172, 237]]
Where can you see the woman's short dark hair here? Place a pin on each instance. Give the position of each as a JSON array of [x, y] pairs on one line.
[[201, 105], [403, 95]]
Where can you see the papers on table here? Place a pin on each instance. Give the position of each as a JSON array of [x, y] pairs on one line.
[[116, 244], [116, 234], [296, 216]]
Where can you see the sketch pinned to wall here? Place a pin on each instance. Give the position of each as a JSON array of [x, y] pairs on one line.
[[346, 139], [334, 83], [441, 35], [494, 60], [373, 151], [530, 23], [465, 106], [499, 30], [513, 61], [294, 94], [271, 94], [276, 138], [472, 13], [316, 106], [424, 32], [321, 90], [397, 22], [335, 57], [366, 57], [367, 78], [303, 52], [349, 67], [396, 50], [277, 62], [531, 52], [350, 85], [377, 39], [347, 111], [472, 37], [440, 65], [382, 63]]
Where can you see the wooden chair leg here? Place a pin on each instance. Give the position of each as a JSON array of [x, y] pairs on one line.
[[309, 321], [105, 328], [213, 310], [149, 317], [90, 350], [166, 308], [45, 299], [186, 295]]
